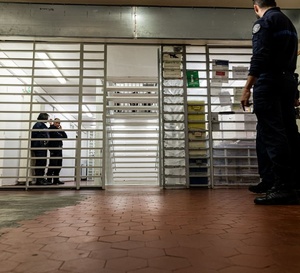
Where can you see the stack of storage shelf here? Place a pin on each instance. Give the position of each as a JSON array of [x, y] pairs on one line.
[[198, 146]]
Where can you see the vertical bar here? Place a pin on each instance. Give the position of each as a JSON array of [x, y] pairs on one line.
[[160, 146], [29, 154], [80, 102], [210, 135], [186, 130], [104, 120], [161, 119]]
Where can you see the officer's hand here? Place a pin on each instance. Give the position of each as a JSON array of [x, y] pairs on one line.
[[245, 98]]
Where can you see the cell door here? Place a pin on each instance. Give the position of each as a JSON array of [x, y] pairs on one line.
[[132, 116]]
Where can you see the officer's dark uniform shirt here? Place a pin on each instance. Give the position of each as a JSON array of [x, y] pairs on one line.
[[275, 44], [41, 133], [54, 137]]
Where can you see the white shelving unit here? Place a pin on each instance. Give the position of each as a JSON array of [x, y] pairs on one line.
[[198, 144], [174, 121]]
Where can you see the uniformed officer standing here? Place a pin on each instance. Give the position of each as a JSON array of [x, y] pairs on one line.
[[55, 147], [271, 74], [39, 142]]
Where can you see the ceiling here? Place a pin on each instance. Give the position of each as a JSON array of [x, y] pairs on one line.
[[284, 4]]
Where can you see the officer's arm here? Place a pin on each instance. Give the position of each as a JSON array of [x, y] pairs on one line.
[[262, 41], [245, 98]]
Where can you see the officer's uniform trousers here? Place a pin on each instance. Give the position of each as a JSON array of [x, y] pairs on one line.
[[277, 132], [55, 162]]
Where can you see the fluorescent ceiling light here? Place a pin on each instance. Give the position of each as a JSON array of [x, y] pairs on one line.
[[13, 71], [90, 115], [48, 63], [87, 111]]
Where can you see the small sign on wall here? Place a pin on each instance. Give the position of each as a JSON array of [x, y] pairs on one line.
[[220, 70], [240, 72], [192, 77]]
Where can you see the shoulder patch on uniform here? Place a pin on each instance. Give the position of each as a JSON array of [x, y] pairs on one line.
[[256, 28]]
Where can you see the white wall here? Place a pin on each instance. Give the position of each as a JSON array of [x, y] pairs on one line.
[[137, 61]]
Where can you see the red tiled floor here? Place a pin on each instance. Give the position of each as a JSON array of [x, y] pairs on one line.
[[156, 231]]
